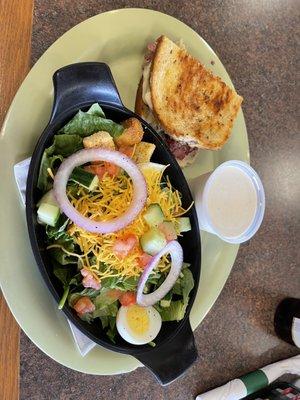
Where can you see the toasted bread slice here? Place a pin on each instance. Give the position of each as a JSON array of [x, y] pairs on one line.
[[190, 103], [145, 112]]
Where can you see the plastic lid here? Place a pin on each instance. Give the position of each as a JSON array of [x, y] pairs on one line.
[[260, 209]]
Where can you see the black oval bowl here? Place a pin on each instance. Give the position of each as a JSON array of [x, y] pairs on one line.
[[76, 87]]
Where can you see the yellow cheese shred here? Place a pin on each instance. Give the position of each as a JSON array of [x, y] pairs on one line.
[[109, 200]]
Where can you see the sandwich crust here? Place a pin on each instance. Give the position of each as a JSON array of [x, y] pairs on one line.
[[190, 103], [140, 107]]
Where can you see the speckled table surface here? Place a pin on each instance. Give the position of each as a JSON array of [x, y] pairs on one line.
[[257, 41]]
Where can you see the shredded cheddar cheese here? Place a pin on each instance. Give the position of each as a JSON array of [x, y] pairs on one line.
[[110, 200]]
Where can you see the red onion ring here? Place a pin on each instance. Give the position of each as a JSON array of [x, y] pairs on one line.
[[115, 157], [176, 253]]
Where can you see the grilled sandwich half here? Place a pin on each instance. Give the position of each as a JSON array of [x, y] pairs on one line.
[[179, 96]]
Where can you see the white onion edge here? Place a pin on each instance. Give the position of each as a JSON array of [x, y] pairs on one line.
[[175, 250], [86, 155]]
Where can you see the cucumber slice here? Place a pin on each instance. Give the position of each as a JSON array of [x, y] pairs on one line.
[[48, 214], [84, 178], [153, 241], [168, 229], [154, 215], [48, 198], [184, 224]]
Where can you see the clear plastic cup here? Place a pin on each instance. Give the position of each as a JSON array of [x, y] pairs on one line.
[[205, 189]]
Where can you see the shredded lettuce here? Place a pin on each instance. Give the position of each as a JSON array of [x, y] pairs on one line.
[[95, 109], [117, 282], [85, 124], [110, 310], [112, 329], [187, 284], [65, 145], [106, 309], [175, 312], [45, 182], [66, 267], [181, 291], [59, 231], [59, 236], [67, 278], [88, 292], [69, 140], [104, 299], [61, 257]]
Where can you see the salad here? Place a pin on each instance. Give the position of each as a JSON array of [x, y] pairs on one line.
[[112, 219]]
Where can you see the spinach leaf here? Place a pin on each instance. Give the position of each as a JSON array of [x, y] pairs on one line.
[[61, 257], [84, 124], [59, 231], [67, 278], [63, 274]]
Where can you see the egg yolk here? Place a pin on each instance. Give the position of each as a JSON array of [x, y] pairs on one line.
[[138, 319]]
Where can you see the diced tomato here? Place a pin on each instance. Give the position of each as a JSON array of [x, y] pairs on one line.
[[168, 230], [98, 170], [89, 281], [111, 169], [128, 299], [127, 150], [125, 245], [96, 162], [84, 305], [101, 169], [115, 293], [144, 260]]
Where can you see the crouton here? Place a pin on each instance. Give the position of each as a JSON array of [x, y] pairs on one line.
[[143, 152], [132, 134], [101, 139]]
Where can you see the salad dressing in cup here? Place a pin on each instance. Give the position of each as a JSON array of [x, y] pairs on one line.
[[230, 201]]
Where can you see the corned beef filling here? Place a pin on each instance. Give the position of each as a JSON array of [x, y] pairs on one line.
[[179, 149]]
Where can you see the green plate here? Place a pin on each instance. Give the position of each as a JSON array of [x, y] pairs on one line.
[[118, 38]]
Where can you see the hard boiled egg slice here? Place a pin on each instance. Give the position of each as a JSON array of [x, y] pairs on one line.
[[138, 325]]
